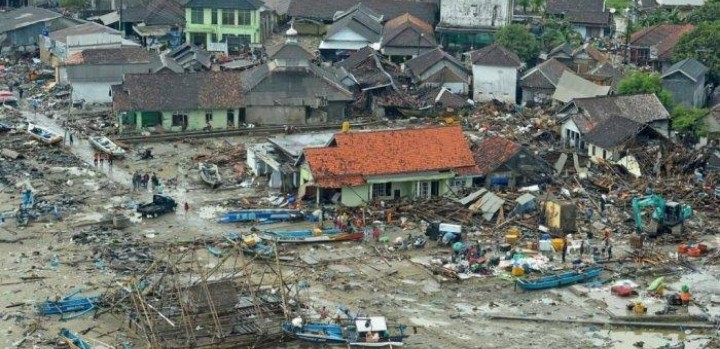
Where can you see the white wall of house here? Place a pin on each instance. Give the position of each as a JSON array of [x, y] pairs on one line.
[[476, 13], [456, 87], [598, 152], [494, 83], [571, 134]]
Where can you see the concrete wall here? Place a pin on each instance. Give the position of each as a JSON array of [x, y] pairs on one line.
[[101, 72], [476, 13], [457, 86], [253, 30], [685, 91], [598, 152], [355, 196], [275, 115], [494, 83], [196, 120], [577, 141]]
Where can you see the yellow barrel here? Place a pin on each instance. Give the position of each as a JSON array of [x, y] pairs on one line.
[[518, 271], [557, 244], [511, 239], [250, 241]]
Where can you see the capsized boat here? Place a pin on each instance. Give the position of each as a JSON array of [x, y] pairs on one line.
[[559, 280], [310, 235], [43, 135], [105, 145], [358, 332], [262, 216], [210, 174]]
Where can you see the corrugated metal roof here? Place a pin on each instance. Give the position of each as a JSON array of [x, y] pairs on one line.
[[572, 86], [23, 17], [690, 67]]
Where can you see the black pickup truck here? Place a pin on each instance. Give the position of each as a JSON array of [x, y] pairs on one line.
[[161, 204]]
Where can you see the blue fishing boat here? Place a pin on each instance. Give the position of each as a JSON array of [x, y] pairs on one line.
[[358, 332], [559, 280], [310, 235], [67, 305], [73, 340], [262, 216]]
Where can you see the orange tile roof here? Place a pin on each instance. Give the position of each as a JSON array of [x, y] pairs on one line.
[[493, 152], [352, 157]]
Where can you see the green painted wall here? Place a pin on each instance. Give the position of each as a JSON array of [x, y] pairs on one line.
[[196, 120], [355, 196], [253, 30]]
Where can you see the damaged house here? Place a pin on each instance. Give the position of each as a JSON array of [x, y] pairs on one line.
[[385, 164], [406, 37], [179, 102], [589, 18], [653, 46], [277, 159], [504, 163], [438, 68], [495, 74], [539, 83], [291, 89], [582, 115], [353, 29], [613, 137]]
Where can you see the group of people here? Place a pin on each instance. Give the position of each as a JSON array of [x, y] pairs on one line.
[[100, 158], [142, 181]]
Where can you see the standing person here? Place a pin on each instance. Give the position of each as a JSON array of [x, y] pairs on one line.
[[603, 202], [102, 159], [110, 161], [145, 180], [608, 246], [187, 209], [155, 180], [135, 181], [564, 249], [71, 139], [95, 159]]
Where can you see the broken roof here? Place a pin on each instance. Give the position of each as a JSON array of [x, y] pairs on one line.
[[228, 4], [23, 17], [580, 11], [368, 68], [690, 67], [408, 31], [612, 132], [119, 55], [170, 91], [279, 6], [643, 109], [352, 157], [270, 84], [185, 55], [662, 37], [441, 97], [571, 86], [492, 152], [545, 75], [495, 55], [427, 60], [324, 10]]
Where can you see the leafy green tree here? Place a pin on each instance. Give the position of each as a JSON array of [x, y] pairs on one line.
[[689, 120], [537, 5], [75, 4], [517, 38], [710, 12], [659, 16], [618, 4], [558, 31], [639, 82], [703, 44], [524, 4]]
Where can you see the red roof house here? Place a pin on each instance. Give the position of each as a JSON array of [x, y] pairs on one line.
[[391, 163]]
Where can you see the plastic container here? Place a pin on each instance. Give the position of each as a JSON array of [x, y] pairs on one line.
[[518, 271], [250, 241], [511, 239], [683, 249], [557, 244]]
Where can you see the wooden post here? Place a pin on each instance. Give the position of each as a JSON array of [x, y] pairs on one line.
[[282, 282]]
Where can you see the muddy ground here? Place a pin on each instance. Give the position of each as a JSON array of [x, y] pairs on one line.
[[440, 313]]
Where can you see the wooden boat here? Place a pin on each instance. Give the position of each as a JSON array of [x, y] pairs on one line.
[[43, 135], [262, 216], [73, 340], [105, 145], [361, 332], [210, 174], [559, 280], [308, 235]]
